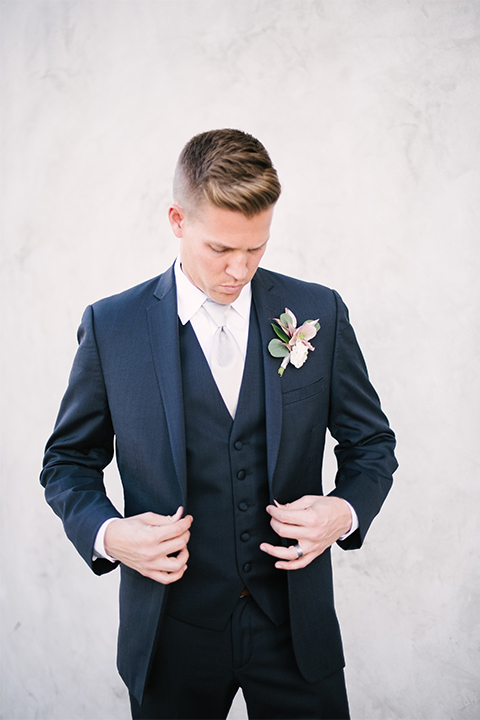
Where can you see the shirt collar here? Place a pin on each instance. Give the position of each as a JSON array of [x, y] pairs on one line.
[[190, 299]]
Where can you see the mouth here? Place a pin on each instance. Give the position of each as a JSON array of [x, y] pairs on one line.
[[231, 288]]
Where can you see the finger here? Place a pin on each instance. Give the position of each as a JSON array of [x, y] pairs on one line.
[[177, 515], [159, 520], [286, 515], [301, 503], [166, 578], [172, 563], [171, 530], [283, 553], [295, 564], [291, 532], [175, 545], [286, 562]]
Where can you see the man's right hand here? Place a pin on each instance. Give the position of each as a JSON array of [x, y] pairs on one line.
[[154, 545]]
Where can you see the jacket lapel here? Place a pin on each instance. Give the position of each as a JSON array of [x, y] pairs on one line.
[[162, 318], [267, 304]]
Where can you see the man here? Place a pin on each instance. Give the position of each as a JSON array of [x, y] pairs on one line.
[[224, 544]]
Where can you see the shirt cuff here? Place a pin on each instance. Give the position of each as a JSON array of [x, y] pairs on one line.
[[354, 526], [99, 544]]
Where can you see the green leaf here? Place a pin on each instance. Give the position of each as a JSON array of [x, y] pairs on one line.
[[277, 348], [286, 319], [317, 326], [281, 334]]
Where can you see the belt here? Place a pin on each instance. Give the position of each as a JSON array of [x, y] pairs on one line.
[[245, 592]]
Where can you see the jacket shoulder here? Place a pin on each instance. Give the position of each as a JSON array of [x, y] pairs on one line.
[[131, 303], [132, 295], [295, 290]]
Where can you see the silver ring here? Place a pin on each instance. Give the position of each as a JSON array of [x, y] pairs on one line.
[[298, 550]]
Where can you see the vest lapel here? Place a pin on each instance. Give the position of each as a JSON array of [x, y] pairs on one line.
[[162, 320]]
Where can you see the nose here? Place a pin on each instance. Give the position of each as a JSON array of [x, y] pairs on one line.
[[237, 267]]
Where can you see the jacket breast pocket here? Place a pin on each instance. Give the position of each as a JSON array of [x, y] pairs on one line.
[[303, 393]]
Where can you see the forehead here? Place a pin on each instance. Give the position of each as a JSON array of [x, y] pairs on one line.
[[230, 228]]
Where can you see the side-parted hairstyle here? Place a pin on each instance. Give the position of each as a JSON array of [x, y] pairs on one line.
[[229, 169]]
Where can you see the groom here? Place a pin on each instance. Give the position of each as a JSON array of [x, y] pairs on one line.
[[224, 545]]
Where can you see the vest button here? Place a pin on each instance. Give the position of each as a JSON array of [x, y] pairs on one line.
[[238, 445], [243, 506], [247, 567], [241, 474], [245, 536]]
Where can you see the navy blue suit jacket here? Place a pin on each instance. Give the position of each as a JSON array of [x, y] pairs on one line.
[[125, 386]]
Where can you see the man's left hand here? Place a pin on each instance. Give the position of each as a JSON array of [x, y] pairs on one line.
[[315, 522]]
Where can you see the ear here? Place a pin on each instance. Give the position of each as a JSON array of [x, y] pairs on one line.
[[176, 216]]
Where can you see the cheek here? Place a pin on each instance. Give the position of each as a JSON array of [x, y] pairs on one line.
[[218, 265], [253, 262], [213, 267]]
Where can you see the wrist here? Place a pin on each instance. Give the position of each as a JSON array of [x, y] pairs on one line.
[[109, 537], [345, 518]]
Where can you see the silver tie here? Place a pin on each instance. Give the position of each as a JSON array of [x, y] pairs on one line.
[[226, 361]]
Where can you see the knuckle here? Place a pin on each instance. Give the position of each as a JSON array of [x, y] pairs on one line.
[[144, 558], [150, 555]]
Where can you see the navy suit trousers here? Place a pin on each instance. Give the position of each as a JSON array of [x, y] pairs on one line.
[[196, 673]]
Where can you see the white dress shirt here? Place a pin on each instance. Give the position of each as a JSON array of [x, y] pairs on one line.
[[190, 308]]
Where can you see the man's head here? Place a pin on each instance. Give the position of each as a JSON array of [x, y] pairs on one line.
[[229, 169], [225, 189]]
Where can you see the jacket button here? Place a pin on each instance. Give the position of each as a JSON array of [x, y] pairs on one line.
[[247, 567], [245, 536], [241, 474], [243, 506], [238, 445]]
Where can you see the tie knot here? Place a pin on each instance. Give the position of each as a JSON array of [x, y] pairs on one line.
[[218, 313]]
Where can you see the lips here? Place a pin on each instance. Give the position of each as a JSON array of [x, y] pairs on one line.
[[231, 288]]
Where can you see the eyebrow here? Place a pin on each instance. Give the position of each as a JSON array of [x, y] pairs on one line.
[[219, 246]]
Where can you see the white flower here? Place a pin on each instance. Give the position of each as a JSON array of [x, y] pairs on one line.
[[298, 354]]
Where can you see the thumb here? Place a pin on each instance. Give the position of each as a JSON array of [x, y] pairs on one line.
[[301, 504], [157, 519]]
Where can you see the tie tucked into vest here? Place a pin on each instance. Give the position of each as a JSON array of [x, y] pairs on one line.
[[226, 362]]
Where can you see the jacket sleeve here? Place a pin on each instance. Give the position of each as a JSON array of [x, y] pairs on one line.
[[365, 450], [79, 449]]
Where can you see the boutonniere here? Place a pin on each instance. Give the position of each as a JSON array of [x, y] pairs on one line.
[[292, 343]]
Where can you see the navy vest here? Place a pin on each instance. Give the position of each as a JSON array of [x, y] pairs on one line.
[[227, 491]]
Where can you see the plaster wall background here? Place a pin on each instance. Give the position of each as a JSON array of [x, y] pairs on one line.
[[370, 112]]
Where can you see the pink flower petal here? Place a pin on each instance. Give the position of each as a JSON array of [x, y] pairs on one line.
[[286, 329], [294, 319]]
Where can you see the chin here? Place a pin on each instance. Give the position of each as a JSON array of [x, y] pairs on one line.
[[228, 296]]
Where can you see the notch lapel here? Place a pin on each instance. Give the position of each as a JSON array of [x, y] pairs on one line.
[[267, 304], [162, 318]]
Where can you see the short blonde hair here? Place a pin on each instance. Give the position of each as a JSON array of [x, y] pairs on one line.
[[229, 169]]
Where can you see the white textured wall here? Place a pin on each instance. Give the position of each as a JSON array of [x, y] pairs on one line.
[[370, 109]]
